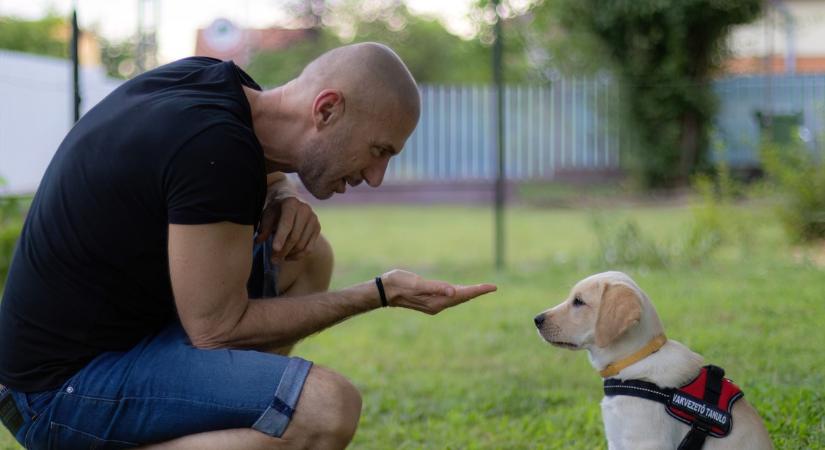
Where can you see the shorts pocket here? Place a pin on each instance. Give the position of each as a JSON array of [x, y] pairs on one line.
[[67, 438]]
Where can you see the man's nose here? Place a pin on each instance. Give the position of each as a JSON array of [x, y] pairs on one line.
[[374, 174]]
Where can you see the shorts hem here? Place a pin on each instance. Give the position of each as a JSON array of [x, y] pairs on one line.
[[276, 417]]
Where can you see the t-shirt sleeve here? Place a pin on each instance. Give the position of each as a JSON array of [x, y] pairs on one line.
[[217, 176]]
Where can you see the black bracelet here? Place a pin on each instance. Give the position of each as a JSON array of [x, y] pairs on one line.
[[380, 285]]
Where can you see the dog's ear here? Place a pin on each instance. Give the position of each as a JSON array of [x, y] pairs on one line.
[[620, 310]]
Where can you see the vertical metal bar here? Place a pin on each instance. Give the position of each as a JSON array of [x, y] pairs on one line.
[[608, 131], [599, 136], [563, 124], [518, 130], [532, 117], [575, 119], [499, 82], [464, 137], [430, 161], [554, 147], [474, 130], [75, 66], [442, 132], [451, 149], [541, 148]]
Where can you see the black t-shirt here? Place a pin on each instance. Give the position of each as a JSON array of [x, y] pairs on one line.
[[91, 272]]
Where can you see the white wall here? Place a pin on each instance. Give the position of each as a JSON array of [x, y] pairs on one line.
[[754, 39], [36, 112]]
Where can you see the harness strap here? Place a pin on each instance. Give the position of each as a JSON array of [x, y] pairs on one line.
[[696, 403], [695, 438], [636, 388]]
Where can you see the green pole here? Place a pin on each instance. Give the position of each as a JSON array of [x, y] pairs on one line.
[[499, 133]]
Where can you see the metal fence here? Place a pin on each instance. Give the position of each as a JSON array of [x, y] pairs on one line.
[[570, 126], [548, 130], [740, 98]]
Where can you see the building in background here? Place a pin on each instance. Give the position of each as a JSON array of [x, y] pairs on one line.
[[789, 38], [224, 40]]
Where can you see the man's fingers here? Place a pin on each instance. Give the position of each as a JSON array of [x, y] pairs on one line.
[[285, 225], [306, 240], [267, 222], [468, 292], [301, 228]]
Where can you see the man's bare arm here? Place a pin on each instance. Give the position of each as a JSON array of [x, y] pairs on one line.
[[209, 266]]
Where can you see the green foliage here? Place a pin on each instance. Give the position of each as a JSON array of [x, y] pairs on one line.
[[432, 53], [716, 220], [663, 53], [276, 68], [624, 244], [11, 224], [44, 36], [118, 57], [799, 175]]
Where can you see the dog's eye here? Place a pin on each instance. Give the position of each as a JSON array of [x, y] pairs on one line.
[[577, 302]]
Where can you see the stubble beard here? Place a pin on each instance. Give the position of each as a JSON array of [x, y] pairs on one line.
[[314, 166]]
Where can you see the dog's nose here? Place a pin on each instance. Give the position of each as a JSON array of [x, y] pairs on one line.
[[538, 320]]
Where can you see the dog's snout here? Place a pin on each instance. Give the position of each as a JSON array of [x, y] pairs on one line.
[[538, 320]]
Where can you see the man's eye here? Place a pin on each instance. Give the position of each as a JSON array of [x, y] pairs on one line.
[[577, 302], [376, 152]]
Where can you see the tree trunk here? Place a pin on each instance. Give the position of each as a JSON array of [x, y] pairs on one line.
[[689, 143]]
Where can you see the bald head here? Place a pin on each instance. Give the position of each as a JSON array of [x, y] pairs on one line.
[[341, 120], [370, 75]]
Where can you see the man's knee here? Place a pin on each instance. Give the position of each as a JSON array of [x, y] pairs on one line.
[[322, 259], [328, 410], [309, 274]]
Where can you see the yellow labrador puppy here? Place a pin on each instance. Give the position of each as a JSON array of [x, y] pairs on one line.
[[644, 408]]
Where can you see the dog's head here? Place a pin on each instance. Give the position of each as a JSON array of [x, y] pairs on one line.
[[602, 311]]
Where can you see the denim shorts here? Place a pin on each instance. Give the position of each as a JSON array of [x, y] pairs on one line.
[[162, 389]]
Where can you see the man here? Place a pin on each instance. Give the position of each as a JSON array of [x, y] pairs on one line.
[[127, 317]]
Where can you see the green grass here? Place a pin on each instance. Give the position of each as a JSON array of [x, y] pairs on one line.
[[479, 377]]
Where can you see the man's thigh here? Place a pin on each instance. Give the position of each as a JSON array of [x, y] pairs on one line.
[[165, 388]]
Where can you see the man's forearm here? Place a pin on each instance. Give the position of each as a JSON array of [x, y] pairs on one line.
[[267, 323]]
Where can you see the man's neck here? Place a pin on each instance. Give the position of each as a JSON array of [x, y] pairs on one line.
[[277, 128]]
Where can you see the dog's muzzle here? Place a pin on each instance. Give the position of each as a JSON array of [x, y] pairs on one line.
[[539, 320]]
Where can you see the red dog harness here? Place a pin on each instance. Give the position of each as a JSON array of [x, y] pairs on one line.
[[705, 403]]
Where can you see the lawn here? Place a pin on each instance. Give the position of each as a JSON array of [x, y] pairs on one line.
[[479, 377]]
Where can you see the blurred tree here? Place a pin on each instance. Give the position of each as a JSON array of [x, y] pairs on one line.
[[118, 57], [273, 68], [308, 13], [46, 36], [432, 53], [664, 54]]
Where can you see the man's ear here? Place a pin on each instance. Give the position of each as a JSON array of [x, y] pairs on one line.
[[620, 311], [327, 107]]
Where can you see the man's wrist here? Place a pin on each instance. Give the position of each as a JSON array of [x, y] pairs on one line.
[[280, 188], [379, 284]]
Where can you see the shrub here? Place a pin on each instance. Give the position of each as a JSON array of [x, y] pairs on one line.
[[625, 244], [798, 173], [716, 221]]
